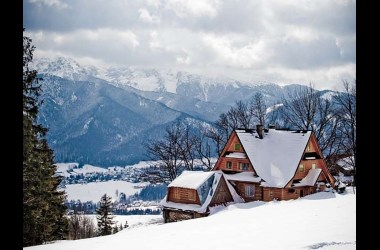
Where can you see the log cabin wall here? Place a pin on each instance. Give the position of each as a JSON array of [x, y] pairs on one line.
[[183, 195], [241, 190], [222, 194], [307, 165], [222, 164], [290, 193], [269, 194]]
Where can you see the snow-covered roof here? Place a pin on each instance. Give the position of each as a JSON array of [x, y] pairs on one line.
[[201, 208], [191, 179], [239, 155], [310, 178], [275, 157], [243, 176]]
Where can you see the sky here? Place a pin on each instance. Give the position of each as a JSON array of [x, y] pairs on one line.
[[284, 42]]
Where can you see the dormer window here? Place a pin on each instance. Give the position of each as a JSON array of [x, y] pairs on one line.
[[237, 146]]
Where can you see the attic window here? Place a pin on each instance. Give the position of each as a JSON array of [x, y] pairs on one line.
[[301, 168], [237, 146], [243, 166], [308, 147], [229, 165]]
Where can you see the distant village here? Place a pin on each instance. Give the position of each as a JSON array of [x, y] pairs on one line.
[[144, 202]]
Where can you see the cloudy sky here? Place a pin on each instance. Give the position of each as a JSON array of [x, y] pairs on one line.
[[293, 41]]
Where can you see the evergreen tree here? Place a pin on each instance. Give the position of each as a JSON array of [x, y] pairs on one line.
[[43, 204], [104, 215]]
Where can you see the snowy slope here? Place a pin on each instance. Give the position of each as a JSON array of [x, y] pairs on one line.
[[67, 169], [319, 221], [94, 190]]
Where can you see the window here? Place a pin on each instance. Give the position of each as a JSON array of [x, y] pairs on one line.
[[301, 168], [243, 166], [229, 165], [249, 190], [308, 147], [237, 146], [313, 166]]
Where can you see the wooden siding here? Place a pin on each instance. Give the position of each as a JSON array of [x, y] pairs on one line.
[[222, 164], [186, 195], [221, 194], [240, 189], [307, 164], [230, 147], [320, 163], [294, 193]]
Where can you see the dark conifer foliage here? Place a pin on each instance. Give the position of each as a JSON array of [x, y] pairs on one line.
[[43, 204], [104, 216]]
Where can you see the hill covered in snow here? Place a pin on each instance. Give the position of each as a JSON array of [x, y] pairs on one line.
[[104, 116], [323, 221]]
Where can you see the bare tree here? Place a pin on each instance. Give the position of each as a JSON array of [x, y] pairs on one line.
[[244, 114], [74, 226], [167, 151], [258, 108], [233, 118], [175, 151], [187, 146], [304, 109], [346, 102], [300, 107], [81, 227], [203, 149]]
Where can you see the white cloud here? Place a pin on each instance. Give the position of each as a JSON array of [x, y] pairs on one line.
[[186, 8], [300, 33], [235, 51], [295, 41], [145, 16], [51, 3]]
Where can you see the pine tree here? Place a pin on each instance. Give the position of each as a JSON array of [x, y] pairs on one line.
[[43, 204], [104, 215]]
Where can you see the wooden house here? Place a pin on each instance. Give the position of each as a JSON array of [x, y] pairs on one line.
[[192, 194], [273, 164]]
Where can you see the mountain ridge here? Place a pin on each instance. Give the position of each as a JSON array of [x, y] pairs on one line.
[[92, 120]]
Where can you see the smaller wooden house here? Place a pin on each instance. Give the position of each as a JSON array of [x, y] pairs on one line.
[[192, 194]]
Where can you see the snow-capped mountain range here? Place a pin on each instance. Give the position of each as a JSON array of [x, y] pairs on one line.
[[104, 116]]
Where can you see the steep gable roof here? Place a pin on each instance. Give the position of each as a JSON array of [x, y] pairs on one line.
[[190, 179], [275, 158], [193, 180]]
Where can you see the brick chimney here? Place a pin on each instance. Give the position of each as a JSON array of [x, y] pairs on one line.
[[260, 130]]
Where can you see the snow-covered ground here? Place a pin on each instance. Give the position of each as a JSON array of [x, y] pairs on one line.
[[134, 220], [94, 190], [318, 221]]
